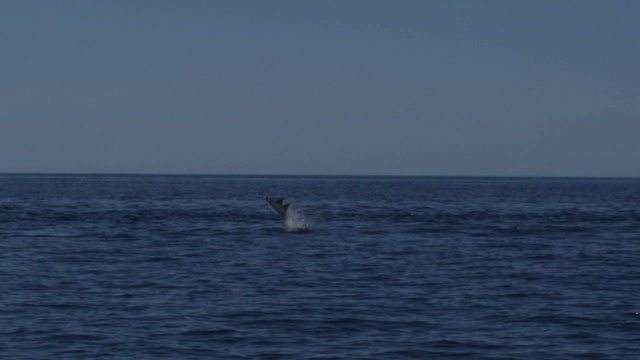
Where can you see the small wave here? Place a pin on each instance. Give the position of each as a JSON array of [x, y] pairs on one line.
[[543, 229], [72, 337], [161, 258], [209, 332]]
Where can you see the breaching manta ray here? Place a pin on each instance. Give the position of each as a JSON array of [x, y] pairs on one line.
[[278, 205]]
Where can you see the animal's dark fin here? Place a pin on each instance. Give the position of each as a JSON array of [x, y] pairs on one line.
[[286, 206]]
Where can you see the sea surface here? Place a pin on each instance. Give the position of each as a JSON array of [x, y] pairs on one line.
[[200, 267]]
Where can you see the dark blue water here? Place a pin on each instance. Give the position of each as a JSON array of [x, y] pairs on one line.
[[198, 267]]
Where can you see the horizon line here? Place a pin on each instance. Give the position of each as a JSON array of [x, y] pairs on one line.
[[311, 175]]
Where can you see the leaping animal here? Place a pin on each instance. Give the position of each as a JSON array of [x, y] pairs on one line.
[[278, 205]]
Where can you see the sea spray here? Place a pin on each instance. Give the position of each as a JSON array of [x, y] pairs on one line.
[[296, 220]]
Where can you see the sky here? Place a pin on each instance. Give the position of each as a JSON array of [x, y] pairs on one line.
[[435, 88]]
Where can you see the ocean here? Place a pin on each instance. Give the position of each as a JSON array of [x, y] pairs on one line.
[[200, 267]]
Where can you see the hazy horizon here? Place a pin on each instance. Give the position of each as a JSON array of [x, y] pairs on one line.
[[316, 175]]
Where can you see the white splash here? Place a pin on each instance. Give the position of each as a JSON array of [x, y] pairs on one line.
[[296, 221]]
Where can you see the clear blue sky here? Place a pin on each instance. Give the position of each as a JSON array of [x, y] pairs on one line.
[[506, 88]]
